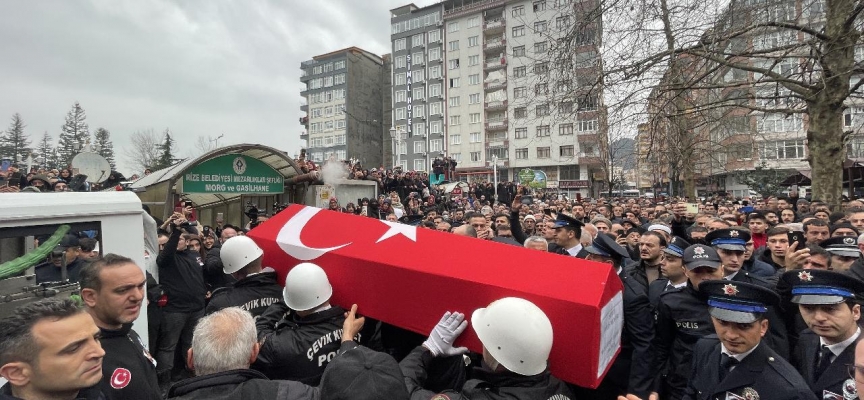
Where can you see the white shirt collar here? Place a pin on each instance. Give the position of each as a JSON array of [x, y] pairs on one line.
[[679, 285], [739, 357], [732, 275], [837, 348], [573, 251]]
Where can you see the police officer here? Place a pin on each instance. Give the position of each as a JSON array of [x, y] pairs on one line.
[[844, 252], [682, 319], [734, 364], [568, 235], [827, 302], [626, 376], [300, 336], [68, 251], [255, 289], [672, 270], [517, 339]]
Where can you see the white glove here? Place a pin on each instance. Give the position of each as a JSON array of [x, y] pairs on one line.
[[440, 341]]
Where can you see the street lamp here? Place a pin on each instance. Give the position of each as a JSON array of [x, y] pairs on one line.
[[398, 136], [495, 175], [393, 138]]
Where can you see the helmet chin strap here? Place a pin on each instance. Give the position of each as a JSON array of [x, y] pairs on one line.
[[489, 361]]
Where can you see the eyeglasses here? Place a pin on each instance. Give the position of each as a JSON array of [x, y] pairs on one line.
[[856, 372]]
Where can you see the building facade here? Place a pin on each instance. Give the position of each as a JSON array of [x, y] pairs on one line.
[[343, 97]]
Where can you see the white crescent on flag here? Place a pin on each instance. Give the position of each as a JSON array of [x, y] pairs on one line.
[[289, 237]]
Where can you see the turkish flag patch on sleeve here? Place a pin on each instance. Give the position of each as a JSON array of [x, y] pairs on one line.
[[120, 378]]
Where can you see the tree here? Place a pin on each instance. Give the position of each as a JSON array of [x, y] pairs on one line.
[[204, 144], [74, 134], [166, 152], [14, 143], [766, 181], [143, 150], [105, 146], [770, 62], [45, 152]]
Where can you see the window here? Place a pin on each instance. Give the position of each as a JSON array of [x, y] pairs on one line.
[[435, 108], [540, 26], [417, 58], [774, 122], [855, 148], [520, 92], [340, 139], [456, 139], [522, 154], [454, 120], [435, 145], [339, 94], [853, 117], [399, 44], [542, 111], [565, 107], [474, 118], [587, 125], [435, 72], [453, 27], [562, 22], [475, 137], [453, 101], [418, 75], [328, 81], [453, 45], [419, 147], [587, 59], [539, 47], [541, 68], [543, 130], [399, 79], [417, 40], [565, 151], [563, 86], [328, 126], [473, 22], [565, 129], [474, 98], [543, 152], [419, 111], [473, 60], [517, 11], [475, 156], [541, 88], [521, 112], [540, 5], [456, 157], [420, 165], [434, 36], [502, 153], [569, 172], [474, 79], [518, 31], [399, 62], [435, 127], [521, 133], [419, 129], [340, 110], [588, 103], [339, 65], [339, 79], [400, 96], [519, 72], [434, 54], [518, 51], [453, 64], [472, 41], [773, 40], [400, 113], [454, 82], [435, 90]]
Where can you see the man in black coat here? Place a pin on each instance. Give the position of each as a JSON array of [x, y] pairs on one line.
[[51, 271], [734, 364], [223, 346], [827, 302], [255, 289]]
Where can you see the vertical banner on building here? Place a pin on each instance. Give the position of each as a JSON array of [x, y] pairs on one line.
[[409, 94]]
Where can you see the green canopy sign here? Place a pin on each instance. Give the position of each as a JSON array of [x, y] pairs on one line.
[[533, 178], [233, 174]]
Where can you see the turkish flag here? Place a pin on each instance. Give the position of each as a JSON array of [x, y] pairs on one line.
[[409, 277]]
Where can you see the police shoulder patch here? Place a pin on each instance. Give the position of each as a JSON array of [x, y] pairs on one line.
[[440, 397]]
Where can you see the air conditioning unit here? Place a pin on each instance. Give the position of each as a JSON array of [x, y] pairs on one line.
[[440, 23], [423, 117], [423, 154]]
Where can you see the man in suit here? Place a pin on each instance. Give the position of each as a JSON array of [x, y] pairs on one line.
[[568, 233], [734, 364], [826, 300]]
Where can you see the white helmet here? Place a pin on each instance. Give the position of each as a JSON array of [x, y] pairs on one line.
[[306, 287], [237, 252], [516, 332]]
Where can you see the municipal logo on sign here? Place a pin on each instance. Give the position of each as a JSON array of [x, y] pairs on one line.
[[120, 378], [239, 165]]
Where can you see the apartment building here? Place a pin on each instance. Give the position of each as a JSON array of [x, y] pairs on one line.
[[343, 101], [500, 98]]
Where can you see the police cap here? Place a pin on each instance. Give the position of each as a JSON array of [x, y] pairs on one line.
[[728, 239], [69, 240], [816, 286], [676, 247], [566, 221], [604, 246], [700, 255], [845, 246], [737, 302]]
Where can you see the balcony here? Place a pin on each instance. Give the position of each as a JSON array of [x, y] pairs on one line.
[[498, 144], [587, 137], [493, 64], [495, 44], [304, 120], [304, 107], [496, 124], [495, 85], [494, 25], [496, 105], [304, 135], [590, 158]]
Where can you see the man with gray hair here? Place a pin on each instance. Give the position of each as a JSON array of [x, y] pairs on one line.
[[224, 345], [536, 243]]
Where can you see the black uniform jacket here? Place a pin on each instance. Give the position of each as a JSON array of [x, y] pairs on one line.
[[299, 348], [481, 384], [763, 374], [92, 393], [835, 380], [128, 370], [239, 384], [253, 293], [181, 277], [777, 336], [633, 364]]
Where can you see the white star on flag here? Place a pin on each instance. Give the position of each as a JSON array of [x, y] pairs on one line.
[[396, 228]]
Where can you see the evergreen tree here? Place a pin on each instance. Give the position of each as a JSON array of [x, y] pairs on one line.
[[106, 147], [74, 133], [14, 143], [166, 152], [45, 151]]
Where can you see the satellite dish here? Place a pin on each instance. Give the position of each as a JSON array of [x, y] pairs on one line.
[[93, 165]]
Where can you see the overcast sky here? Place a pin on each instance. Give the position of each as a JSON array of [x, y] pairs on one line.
[[198, 67]]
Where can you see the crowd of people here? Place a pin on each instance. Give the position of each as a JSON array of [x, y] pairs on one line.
[[41, 180], [722, 298]]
